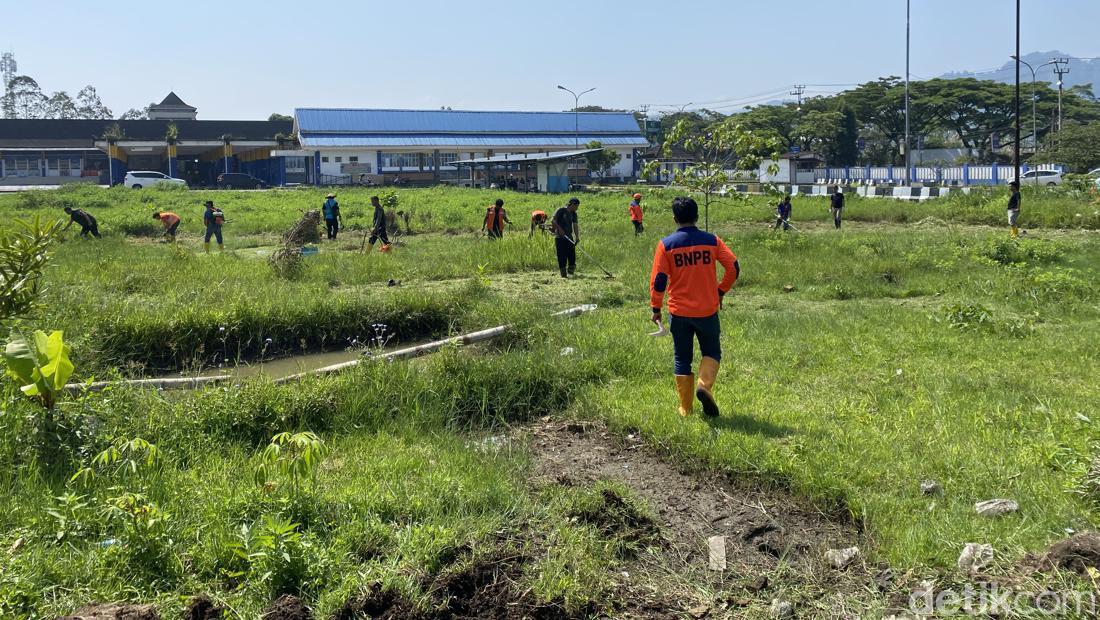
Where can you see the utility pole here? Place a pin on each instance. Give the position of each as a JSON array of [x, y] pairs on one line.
[[797, 92], [1016, 145], [1060, 70], [908, 179]]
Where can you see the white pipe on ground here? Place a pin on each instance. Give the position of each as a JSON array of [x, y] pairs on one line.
[[183, 383]]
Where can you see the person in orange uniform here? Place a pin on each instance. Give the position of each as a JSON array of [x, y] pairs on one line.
[[495, 219], [171, 222], [684, 267], [636, 214], [538, 220]]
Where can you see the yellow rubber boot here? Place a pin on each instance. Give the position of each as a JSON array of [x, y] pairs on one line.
[[708, 372], [370, 248], [1015, 232], [206, 247], [684, 386], [221, 247]]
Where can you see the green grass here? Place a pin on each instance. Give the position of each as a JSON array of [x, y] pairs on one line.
[[918, 343]]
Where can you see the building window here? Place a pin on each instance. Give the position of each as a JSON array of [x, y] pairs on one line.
[[339, 159], [354, 159], [21, 166], [401, 160], [324, 160]]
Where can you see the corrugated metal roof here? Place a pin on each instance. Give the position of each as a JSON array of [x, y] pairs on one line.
[[460, 140], [327, 120], [515, 158]]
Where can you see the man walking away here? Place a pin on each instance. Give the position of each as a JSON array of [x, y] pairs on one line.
[[1014, 208], [331, 212], [538, 220], [567, 235], [495, 219], [171, 222], [378, 227], [684, 267], [636, 214], [836, 205], [88, 225], [783, 213], [213, 218]]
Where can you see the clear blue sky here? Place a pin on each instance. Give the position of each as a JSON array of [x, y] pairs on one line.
[[243, 59]]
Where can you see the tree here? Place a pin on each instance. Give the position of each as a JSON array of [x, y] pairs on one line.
[[60, 105], [844, 150], [601, 161], [26, 98], [1076, 146], [816, 129], [89, 106], [137, 114], [275, 116], [716, 149], [780, 121]]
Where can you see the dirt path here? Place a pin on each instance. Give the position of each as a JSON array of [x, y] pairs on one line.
[[775, 546]]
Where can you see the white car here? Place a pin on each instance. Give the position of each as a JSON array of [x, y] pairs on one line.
[[1045, 177], [146, 178]]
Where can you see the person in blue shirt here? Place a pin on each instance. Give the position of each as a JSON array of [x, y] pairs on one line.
[[331, 212], [213, 218], [783, 213]]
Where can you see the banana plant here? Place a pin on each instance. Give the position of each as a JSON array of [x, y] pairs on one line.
[[40, 364]]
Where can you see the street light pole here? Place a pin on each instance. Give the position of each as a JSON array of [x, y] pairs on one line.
[[1034, 125], [1016, 145], [576, 114], [908, 179]]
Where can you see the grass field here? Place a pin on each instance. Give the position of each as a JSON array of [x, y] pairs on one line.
[[917, 343]]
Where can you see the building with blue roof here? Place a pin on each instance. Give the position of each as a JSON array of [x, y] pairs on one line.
[[420, 145]]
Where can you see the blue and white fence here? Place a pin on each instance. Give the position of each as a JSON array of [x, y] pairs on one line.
[[964, 175]]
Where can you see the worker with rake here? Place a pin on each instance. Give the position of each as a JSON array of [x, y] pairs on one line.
[[567, 235], [783, 213], [684, 267], [538, 220], [495, 219]]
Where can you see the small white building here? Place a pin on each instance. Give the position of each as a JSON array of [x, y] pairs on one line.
[[420, 145]]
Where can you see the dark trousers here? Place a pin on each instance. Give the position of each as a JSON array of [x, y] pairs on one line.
[[638, 229], [496, 233], [332, 227], [171, 231], [684, 331], [785, 221], [214, 230], [567, 255], [837, 213], [379, 233], [92, 229]]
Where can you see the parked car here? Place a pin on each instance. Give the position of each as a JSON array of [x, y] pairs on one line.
[[1045, 177], [1094, 173], [239, 180], [137, 179]]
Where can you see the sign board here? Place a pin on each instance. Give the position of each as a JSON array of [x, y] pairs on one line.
[[996, 139], [795, 149], [861, 144]]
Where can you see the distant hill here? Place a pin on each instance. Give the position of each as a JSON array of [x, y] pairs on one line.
[[1080, 71]]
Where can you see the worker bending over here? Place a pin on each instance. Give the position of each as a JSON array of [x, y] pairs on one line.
[[88, 225], [171, 222], [213, 218], [538, 220], [684, 267], [636, 214]]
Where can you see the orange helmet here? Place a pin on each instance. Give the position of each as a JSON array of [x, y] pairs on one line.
[[637, 196]]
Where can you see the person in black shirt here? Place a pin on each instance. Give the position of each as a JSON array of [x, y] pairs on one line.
[[87, 223], [378, 227], [836, 205], [1014, 208], [566, 236], [783, 213]]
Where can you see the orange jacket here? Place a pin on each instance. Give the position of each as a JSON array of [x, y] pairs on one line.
[[684, 267], [538, 215], [168, 218], [635, 211]]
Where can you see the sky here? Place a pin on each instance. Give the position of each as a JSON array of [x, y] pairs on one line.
[[244, 59]]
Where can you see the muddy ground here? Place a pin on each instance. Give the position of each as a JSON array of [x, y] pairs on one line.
[[774, 545]]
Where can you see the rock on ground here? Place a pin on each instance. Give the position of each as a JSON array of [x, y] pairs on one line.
[[781, 609], [841, 558], [975, 557], [996, 507]]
